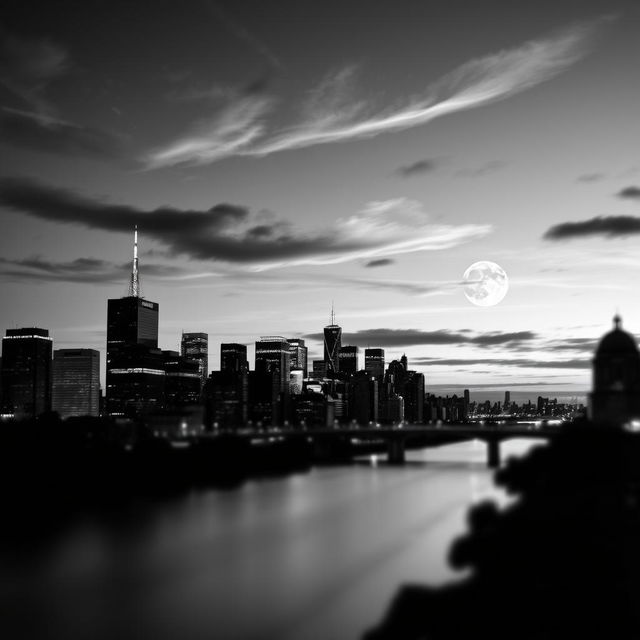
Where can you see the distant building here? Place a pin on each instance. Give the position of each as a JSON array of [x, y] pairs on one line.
[[298, 355], [273, 351], [226, 398], [348, 357], [319, 370], [195, 346], [332, 346], [233, 357], [363, 398], [26, 372], [182, 382], [615, 398], [374, 362], [296, 379], [76, 382]]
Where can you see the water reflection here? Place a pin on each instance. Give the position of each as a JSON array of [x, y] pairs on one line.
[[309, 556]]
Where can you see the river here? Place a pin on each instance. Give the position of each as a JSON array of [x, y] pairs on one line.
[[310, 556]]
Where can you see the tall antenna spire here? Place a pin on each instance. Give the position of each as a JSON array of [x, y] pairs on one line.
[[134, 285], [333, 314]]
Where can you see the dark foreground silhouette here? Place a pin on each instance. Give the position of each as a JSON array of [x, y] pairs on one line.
[[563, 561]]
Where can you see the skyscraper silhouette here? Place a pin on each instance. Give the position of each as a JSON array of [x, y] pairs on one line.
[[135, 373], [26, 372], [332, 345], [195, 346]]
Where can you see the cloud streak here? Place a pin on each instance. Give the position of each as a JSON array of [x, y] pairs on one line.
[[29, 130], [605, 226], [479, 82], [506, 362], [415, 337], [233, 234]]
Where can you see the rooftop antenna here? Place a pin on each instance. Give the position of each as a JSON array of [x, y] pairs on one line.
[[333, 315], [134, 285]]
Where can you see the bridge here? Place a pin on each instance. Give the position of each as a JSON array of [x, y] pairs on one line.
[[397, 439]]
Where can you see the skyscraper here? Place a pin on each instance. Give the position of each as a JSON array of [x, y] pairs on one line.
[[233, 357], [298, 355], [374, 362], [135, 373], [348, 358], [274, 352], [332, 345], [76, 382], [26, 372], [195, 346]]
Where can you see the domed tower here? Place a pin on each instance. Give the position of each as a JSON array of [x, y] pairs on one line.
[[615, 398]]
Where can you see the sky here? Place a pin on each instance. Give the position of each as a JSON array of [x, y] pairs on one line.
[[280, 158]]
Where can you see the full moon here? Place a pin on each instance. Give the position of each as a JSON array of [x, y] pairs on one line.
[[486, 283]]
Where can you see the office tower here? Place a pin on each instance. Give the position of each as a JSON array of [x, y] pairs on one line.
[[374, 362], [348, 357], [332, 345], [195, 346], [274, 352], [226, 399], [413, 394], [233, 357], [182, 381], [76, 382], [264, 394], [363, 395], [319, 369], [26, 372], [296, 381], [298, 355], [135, 373]]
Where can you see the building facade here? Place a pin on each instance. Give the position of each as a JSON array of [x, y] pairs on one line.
[[298, 355], [195, 346], [374, 362], [348, 358], [76, 382], [26, 372], [274, 352], [233, 357]]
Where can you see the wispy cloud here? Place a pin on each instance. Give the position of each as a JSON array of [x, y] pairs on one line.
[[234, 234], [34, 130], [478, 82]]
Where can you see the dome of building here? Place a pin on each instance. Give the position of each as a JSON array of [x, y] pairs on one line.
[[617, 342]]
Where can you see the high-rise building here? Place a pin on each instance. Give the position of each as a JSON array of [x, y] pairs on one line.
[[182, 382], [348, 358], [298, 355], [135, 373], [195, 346], [76, 382], [507, 400], [374, 362], [274, 352], [233, 357], [26, 372], [332, 345]]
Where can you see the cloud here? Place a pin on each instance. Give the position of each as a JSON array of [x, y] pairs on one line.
[[506, 362], [36, 131], [478, 82], [632, 193], [414, 337], [242, 33], [231, 129], [380, 262], [488, 167], [415, 168], [83, 270], [233, 234], [609, 226], [591, 177], [28, 66]]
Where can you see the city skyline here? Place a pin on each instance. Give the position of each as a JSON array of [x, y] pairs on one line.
[[271, 175]]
